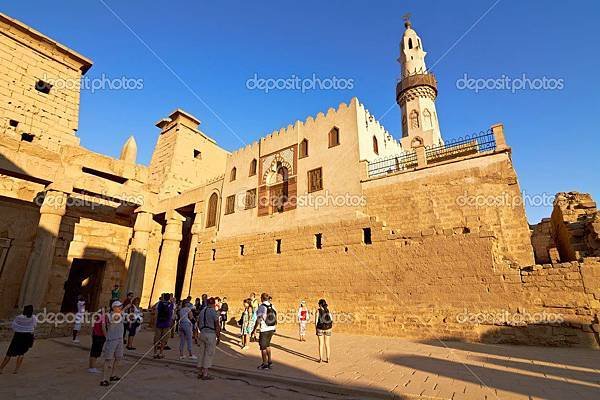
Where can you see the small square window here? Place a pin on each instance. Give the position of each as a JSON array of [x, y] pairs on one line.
[[43, 87], [214, 254], [278, 246], [319, 241], [13, 123], [250, 201], [27, 137], [197, 154], [241, 249], [367, 236]]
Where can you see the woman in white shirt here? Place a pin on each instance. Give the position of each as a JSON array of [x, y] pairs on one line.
[[23, 325]]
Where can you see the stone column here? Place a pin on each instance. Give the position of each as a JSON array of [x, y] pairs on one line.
[[166, 273], [35, 282], [189, 267], [139, 251]]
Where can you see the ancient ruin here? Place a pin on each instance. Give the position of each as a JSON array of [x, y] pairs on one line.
[[409, 238]]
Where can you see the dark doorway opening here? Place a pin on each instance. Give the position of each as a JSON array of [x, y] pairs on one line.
[[184, 253], [85, 278]]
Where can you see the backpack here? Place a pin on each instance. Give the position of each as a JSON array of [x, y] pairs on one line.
[[162, 312], [271, 318], [325, 321]]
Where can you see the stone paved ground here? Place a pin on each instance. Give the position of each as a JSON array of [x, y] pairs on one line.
[[449, 370]]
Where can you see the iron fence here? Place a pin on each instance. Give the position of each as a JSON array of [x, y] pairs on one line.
[[463, 146], [393, 163]]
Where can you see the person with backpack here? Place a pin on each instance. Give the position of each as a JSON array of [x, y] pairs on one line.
[[324, 323], [210, 336], [266, 318], [164, 318]]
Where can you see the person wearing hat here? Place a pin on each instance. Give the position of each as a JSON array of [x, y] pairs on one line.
[[112, 351], [303, 318]]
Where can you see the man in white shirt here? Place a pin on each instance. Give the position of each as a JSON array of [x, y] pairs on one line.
[[266, 318]]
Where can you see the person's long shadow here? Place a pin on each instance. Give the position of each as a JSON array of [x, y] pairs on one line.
[[529, 385], [294, 352], [285, 337]]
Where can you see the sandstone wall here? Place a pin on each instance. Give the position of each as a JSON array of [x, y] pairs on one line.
[[419, 287], [478, 194], [18, 223]]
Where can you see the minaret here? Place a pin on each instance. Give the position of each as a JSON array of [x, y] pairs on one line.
[[416, 93]]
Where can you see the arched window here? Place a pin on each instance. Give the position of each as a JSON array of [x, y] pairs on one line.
[[375, 146], [211, 215], [427, 121], [232, 174], [282, 196], [334, 137], [303, 148], [252, 168], [409, 43], [414, 119]]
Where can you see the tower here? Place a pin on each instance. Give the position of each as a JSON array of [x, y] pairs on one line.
[[416, 92]]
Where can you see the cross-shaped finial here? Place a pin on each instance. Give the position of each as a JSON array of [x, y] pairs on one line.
[[406, 18]]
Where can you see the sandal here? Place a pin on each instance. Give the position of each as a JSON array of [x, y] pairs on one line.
[[104, 383], [114, 378]]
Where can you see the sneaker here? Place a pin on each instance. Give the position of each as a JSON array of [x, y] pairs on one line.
[[75, 340], [182, 358], [93, 370], [193, 358], [263, 366]]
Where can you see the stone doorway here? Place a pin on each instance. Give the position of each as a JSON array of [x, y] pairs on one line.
[[85, 278]]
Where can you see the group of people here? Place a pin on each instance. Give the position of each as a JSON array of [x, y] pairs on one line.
[[201, 322]]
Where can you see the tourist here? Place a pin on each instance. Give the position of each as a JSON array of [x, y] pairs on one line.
[[266, 318], [204, 301], [223, 311], [324, 323], [195, 314], [98, 339], [79, 316], [303, 318], [254, 304], [164, 317], [134, 319], [115, 293], [248, 321], [210, 336], [126, 319], [185, 330], [23, 326], [174, 317], [112, 351]]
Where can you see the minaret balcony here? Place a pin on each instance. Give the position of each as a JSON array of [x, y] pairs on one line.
[[415, 80]]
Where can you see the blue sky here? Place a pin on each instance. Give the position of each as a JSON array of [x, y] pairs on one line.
[[215, 47]]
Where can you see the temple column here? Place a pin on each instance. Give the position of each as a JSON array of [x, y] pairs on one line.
[[35, 283], [189, 267], [139, 251], [166, 273]]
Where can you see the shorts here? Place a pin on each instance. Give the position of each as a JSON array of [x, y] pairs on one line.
[[264, 339], [113, 349], [97, 344], [323, 332], [132, 328], [161, 335]]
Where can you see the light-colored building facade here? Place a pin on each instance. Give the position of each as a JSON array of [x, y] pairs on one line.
[[332, 206]]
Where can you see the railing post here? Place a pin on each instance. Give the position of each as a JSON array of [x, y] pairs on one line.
[[364, 170], [498, 131], [418, 145]]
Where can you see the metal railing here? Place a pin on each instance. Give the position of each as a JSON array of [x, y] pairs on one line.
[[394, 163], [481, 142]]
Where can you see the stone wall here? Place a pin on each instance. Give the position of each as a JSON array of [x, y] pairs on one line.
[[424, 286], [477, 194]]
